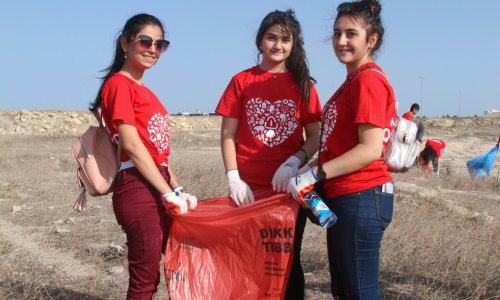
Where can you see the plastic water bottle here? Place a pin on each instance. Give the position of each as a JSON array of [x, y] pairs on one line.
[[320, 210]]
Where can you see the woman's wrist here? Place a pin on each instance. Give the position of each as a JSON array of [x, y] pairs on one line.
[[304, 154], [232, 169], [179, 190]]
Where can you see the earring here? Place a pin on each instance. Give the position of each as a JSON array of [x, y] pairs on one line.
[[125, 56]]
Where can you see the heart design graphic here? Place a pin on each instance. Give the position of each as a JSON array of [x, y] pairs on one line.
[[271, 123], [159, 131], [329, 121]]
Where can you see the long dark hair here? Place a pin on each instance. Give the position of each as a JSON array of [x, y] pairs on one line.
[[296, 63], [368, 11], [428, 154], [129, 32]]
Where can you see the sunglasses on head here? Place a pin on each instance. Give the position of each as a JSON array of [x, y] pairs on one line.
[[146, 42]]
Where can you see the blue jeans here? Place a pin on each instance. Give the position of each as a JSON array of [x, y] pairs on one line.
[[354, 242]]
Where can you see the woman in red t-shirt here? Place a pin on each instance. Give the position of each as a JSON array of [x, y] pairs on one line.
[[357, 121], [431, 153], [265, 111], [146, 187]]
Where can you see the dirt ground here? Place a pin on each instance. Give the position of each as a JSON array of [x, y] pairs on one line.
[[49, 251]]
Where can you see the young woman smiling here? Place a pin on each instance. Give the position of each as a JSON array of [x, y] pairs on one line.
[[356, 124], [146, 189], [266, 110]]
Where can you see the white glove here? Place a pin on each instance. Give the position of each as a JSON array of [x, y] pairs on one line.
[[190, 199], [304, 169], [239, 190], [302, 184], [176, 204], [287, 170]]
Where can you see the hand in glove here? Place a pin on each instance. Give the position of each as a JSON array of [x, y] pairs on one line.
[[304, 169], [239, 190], [176, 204], [287, 170], [190, 199], [302, 184]]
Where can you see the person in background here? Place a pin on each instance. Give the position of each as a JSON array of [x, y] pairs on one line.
[[413, 111], [357, 122], [431, 153], [266, 110], [146, 191]]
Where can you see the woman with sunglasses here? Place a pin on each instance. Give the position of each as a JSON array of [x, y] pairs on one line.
[[356, 124], [265, 111], [146, 191]]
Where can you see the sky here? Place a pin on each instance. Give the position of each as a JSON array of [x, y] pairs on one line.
[[441, 54]]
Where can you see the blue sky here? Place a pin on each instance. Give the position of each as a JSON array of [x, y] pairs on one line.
[[51, 51]]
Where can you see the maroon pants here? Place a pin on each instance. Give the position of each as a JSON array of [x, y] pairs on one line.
[[144, 218]]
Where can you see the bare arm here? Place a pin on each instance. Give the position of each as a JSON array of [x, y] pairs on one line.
[[132, 144], [435, 165], [239, 191], [173, 183], [367, 151], [228, 142], [311, 144]]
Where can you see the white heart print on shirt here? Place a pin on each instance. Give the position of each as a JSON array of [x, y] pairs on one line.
[[159, 131], [327, 125], [271, 123]]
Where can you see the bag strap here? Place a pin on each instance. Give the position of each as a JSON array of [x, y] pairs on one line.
[[98, 116], [332, 100]]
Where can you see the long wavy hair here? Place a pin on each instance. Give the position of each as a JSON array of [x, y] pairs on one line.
[[427, 155], [296, 63], [129, 32]]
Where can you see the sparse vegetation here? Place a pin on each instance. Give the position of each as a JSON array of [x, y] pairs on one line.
[[443, 242]]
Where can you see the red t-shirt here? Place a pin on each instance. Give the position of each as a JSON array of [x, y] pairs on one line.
[[124, 100], [408, 116], [437, 145], [368, 98], [271, 121]]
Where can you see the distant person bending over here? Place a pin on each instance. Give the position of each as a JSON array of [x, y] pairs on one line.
[[431, 153], [265, 111], [414, 109], [146, 188]]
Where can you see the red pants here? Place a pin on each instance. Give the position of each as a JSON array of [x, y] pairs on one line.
[[144, 218]]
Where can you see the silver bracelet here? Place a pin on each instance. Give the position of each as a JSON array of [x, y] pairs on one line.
[[179, 190]]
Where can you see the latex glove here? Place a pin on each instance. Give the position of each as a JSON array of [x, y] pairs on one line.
[[191, 200], [175, 203], [304, 169], [239, 190], [287, 170], [302, 184]]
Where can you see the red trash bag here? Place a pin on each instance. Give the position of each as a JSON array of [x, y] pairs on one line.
[[220, 251]]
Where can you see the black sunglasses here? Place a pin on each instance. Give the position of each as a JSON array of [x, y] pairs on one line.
[[146, 42]]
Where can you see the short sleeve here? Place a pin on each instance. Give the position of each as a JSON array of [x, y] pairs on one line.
[[370, 99], [314, 111], [230, 103], [117, 97]]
